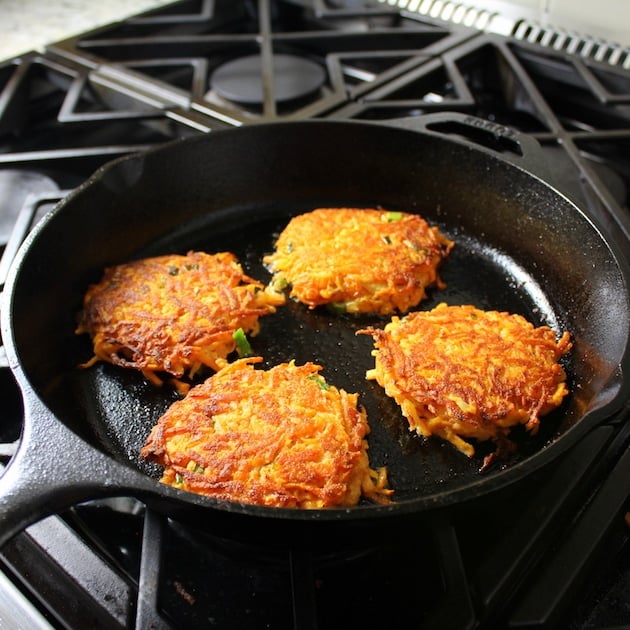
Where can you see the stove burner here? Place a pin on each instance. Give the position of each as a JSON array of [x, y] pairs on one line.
[[243, 80]]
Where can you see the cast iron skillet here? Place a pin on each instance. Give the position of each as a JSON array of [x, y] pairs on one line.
[[520, 246]]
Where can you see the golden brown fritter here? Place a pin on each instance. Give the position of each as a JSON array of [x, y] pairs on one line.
[[360, 260], [459, 372], [280, 437], [173, 313]]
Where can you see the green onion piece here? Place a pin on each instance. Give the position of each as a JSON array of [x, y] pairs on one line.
[[242, 344], [179, 480], [320, 381], [337, 307], [394, 216], [280, 283]]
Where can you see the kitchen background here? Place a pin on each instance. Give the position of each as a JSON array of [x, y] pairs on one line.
[[30, 24]]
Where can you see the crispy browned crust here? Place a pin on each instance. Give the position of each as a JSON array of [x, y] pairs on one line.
[[280, 437], [460, 372], [173, 313], [363, 260]]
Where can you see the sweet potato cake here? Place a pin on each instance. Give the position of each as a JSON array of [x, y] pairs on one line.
[[459, 372], [359, 260], [281, 437], [173, 313]]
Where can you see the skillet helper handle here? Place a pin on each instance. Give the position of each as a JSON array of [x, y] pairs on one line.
[[53, 469], [509, 144]]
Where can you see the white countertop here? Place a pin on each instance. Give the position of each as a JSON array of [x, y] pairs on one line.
[[27, 25]]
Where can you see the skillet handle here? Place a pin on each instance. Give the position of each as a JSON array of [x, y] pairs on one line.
[[53, 469], [509, 144]]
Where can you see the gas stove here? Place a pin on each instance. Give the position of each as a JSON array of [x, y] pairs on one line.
[[555, 552]]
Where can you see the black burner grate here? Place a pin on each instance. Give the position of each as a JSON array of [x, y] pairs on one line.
[[350, 50]]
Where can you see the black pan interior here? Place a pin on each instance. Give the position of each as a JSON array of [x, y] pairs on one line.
[[520, 247]]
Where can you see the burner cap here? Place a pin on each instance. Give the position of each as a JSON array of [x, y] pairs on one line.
[[241, 80]]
